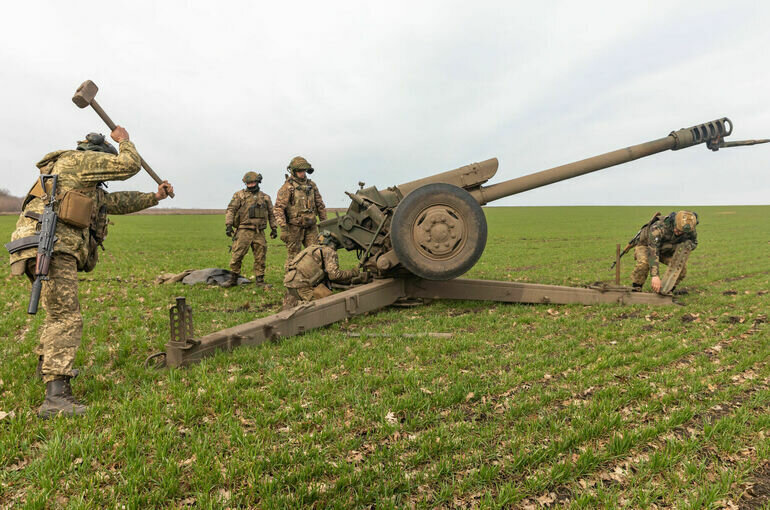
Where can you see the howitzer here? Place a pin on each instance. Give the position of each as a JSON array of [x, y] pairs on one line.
[[434, 227], [418, 237], [46, 240]]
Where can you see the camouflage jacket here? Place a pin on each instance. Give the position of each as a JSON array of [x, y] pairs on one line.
[[660, 239], [313, 265], [250, 210], [83, 171], [298, 203]]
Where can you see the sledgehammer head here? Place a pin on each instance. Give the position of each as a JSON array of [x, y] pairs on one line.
[[85, 94]]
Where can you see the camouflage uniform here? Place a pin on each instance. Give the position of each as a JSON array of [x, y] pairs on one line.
[[249, 213], [76, 248], [308, 272], [296, 207], [657, 243]]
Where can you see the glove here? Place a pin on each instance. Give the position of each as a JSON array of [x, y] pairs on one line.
[[273, 233], [229, 230], [361, 278], [285, 236]]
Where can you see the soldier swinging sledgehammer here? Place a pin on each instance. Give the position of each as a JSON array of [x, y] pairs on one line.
[[78, 206]]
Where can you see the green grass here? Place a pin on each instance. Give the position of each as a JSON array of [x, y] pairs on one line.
[[527, 406]]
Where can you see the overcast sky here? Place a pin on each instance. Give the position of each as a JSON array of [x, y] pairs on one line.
[[388, 92]]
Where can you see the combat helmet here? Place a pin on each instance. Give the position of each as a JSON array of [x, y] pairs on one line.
[[96, 142], [685, 221], [299, 163], [252, 177]]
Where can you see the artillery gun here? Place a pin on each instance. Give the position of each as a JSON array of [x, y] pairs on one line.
[[420, 236]]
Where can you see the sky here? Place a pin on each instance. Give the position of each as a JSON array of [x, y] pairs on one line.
[[388, 92]]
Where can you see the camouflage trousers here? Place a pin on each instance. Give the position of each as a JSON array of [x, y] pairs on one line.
[[63, 325], [245, 239], [642, 268], [299, 236], [294, 297]]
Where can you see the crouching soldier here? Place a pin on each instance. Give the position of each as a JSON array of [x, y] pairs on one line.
[[310, 272], [248, 213], [657, 242], [82, 206]]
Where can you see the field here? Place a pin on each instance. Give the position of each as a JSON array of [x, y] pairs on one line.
[[526, 406]]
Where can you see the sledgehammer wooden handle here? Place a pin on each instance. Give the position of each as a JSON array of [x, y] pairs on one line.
[[85, 96], [107, 120]]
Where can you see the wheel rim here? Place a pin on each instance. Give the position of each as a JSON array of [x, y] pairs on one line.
[[439, 231]]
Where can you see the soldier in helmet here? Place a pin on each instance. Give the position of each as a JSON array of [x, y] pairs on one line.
[[248, 214], [82, 208], [296, 207], [310, 272], [657, 243]]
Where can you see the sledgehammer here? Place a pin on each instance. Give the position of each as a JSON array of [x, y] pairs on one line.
[[84, 96]]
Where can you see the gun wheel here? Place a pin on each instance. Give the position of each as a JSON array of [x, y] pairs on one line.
[[438, 231]]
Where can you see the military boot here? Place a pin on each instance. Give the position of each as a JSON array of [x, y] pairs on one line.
[[636, 287], [59, 400], [259, 280], [232, 282]]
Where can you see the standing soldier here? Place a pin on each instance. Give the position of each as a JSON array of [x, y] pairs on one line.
[[296, 207], [248, 214], [310, 273], [82, 206], [657, 242]]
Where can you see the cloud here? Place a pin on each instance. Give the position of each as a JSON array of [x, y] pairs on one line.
[[389, 92]]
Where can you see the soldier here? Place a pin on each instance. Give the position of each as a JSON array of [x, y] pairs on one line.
[[248, 214], [310, 272], [296, 207], [657, 242], [82, 173]]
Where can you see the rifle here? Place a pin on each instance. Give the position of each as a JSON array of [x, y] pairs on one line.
[[45, 243], [635, 240], [232, 239]]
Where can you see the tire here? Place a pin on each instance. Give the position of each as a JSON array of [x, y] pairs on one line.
[[438, 231]]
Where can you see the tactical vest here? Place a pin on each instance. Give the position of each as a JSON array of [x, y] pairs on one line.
[[258, 211], [301, 204], [668, 246], [253, 214], [97, 230], [304, 271], [76, 207]]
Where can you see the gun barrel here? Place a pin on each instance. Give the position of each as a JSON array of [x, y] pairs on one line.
[[683, 138]]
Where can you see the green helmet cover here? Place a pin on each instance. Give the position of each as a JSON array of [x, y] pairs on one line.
[[252, 177], [299, 163]]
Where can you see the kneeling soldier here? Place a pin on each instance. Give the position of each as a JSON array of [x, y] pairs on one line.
[[248, 214], [658, 241], [310, 272], [82, 207]]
